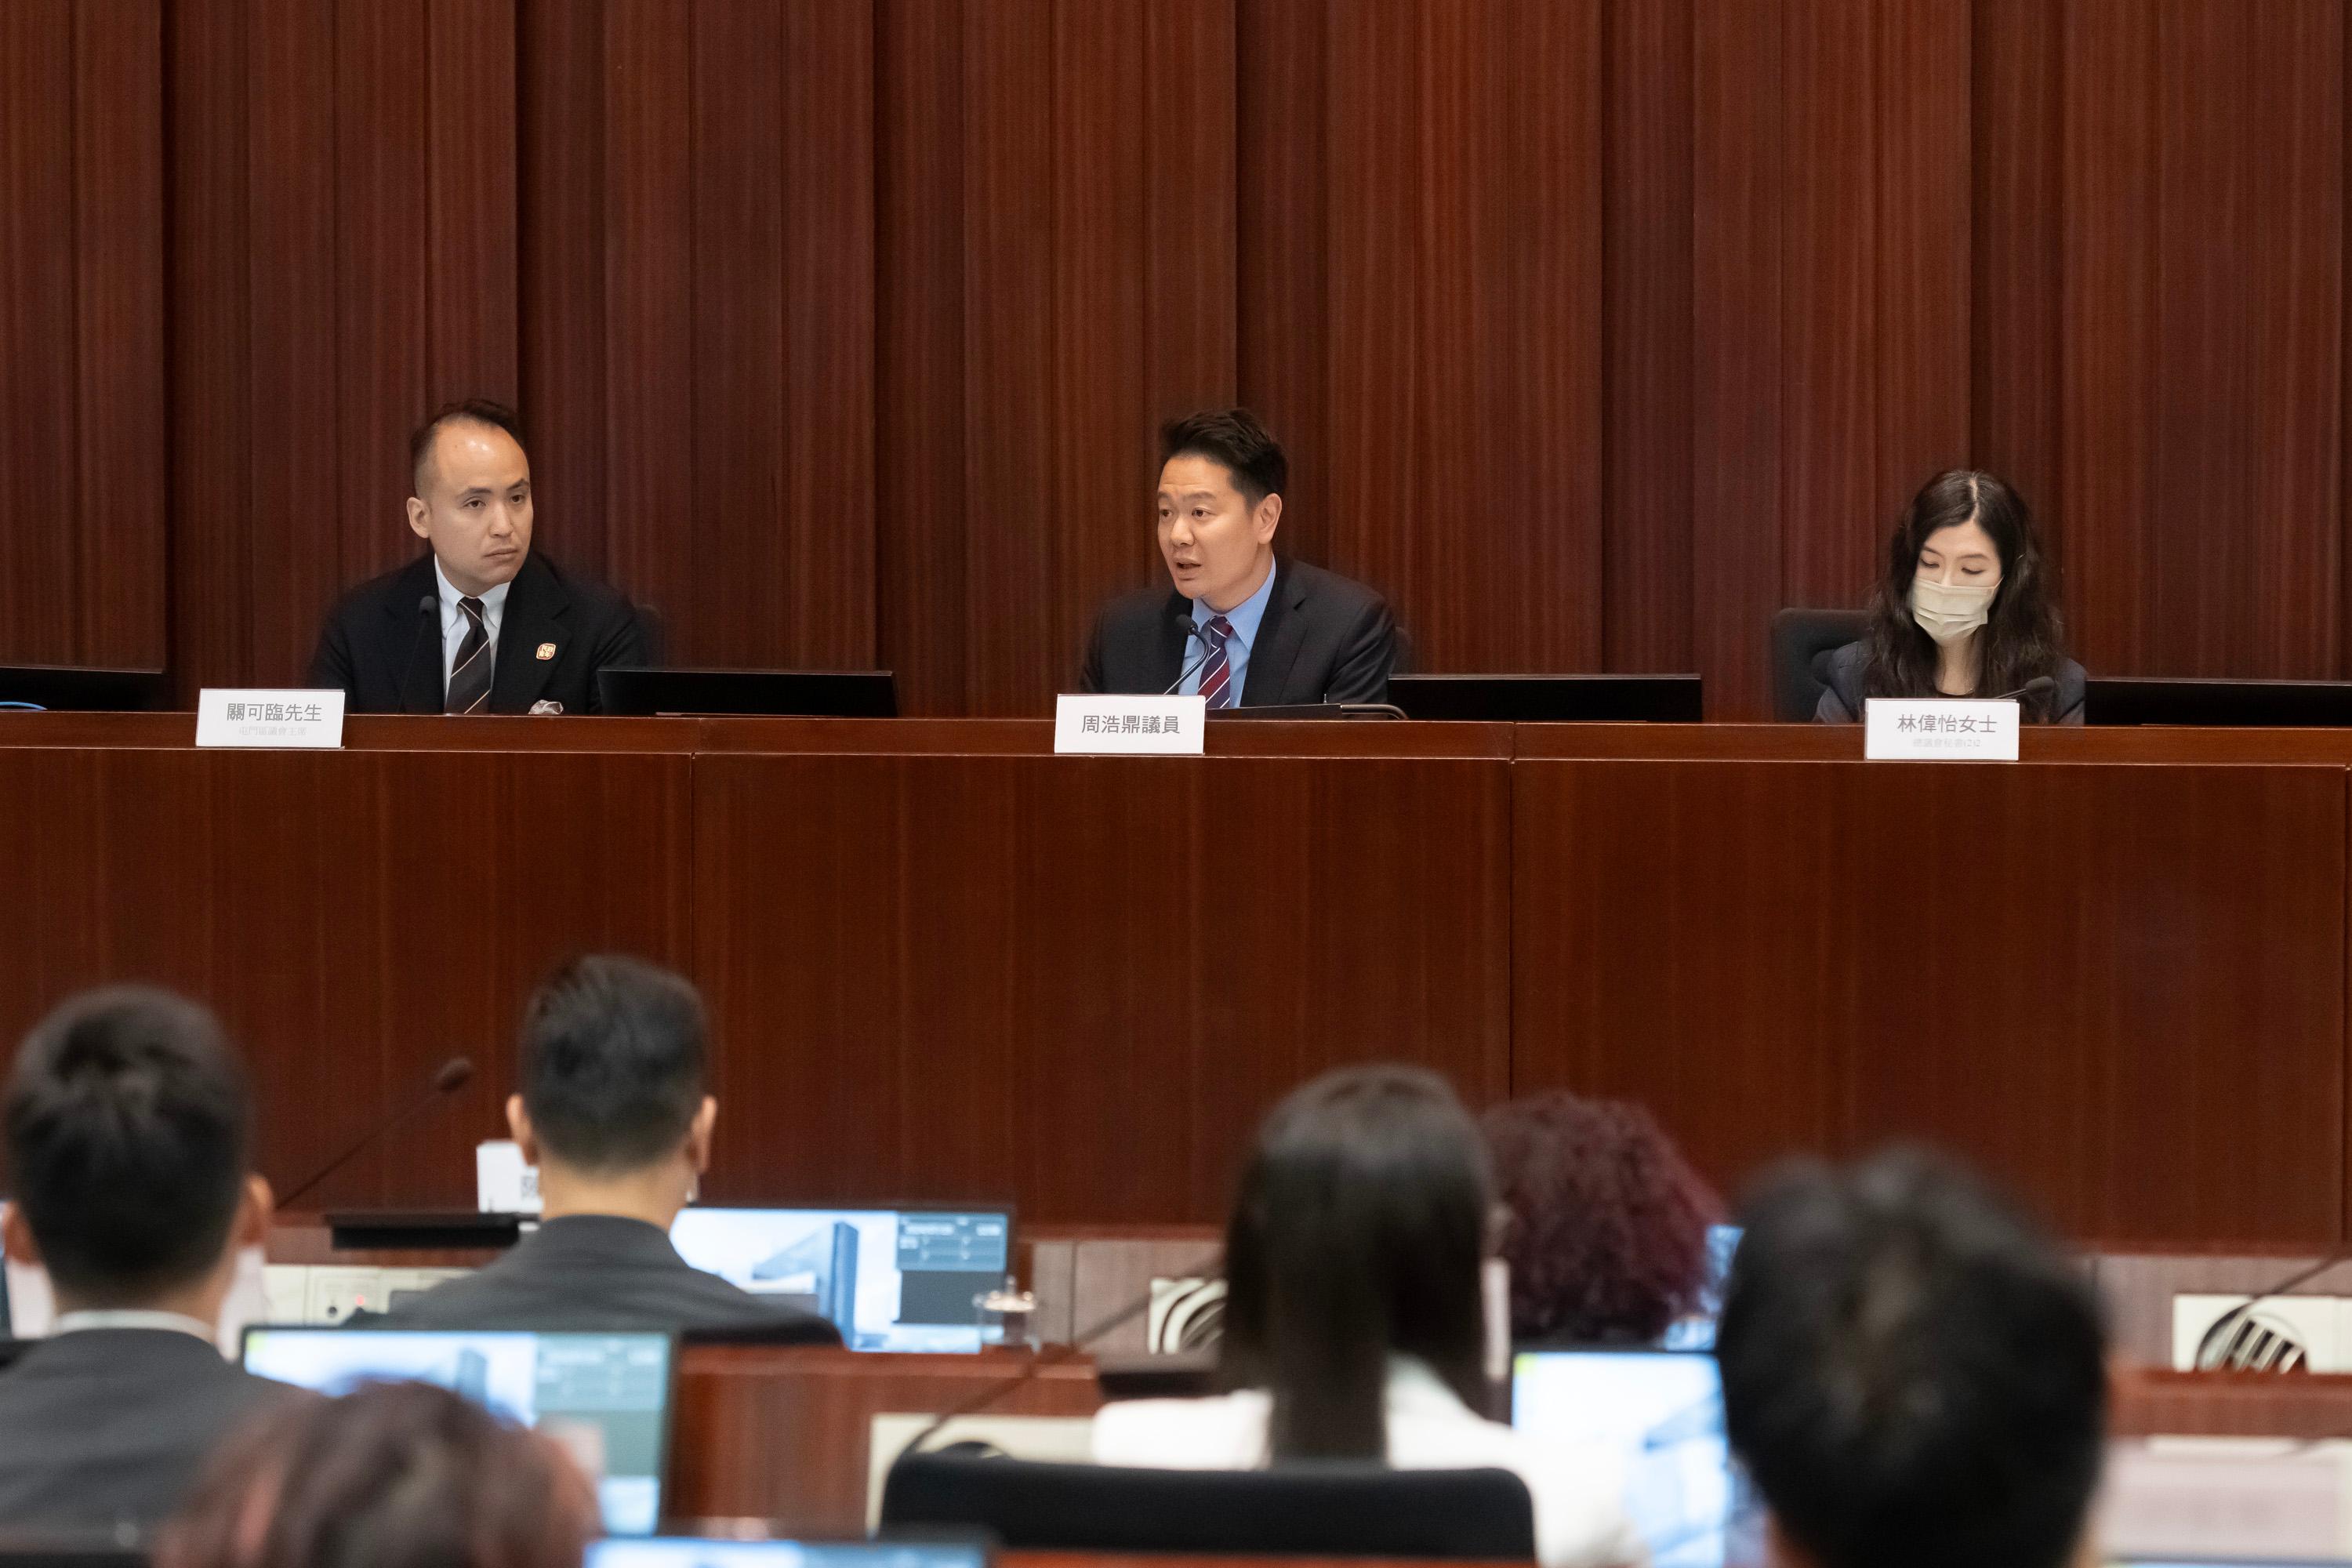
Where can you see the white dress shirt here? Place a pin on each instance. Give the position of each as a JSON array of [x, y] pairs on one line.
[[1580, 1518], [453, 620]]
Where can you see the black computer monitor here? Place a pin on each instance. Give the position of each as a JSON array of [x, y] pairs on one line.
[[2266, 704], [763, 693], [66, 689], [1550, 698]]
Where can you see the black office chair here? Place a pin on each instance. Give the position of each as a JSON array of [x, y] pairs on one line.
[[1802, 641], [1321, 1510]]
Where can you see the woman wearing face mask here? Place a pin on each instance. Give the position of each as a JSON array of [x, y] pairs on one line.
[[1966, 610]]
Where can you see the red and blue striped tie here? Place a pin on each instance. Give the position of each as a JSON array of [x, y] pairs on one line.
[[1217, 674]]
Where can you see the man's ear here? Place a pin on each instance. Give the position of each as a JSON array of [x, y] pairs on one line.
[[1265, 517], [518, 1124], [255, 1213], [17, 1236], [697, 1136], [417, 515]]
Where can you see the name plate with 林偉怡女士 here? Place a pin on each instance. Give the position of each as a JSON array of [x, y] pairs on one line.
[[1940, 730]]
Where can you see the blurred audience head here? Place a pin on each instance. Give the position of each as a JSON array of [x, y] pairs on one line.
[[1607, 1240], [1357, 1235], [130, 1132], [1912, 1370], [397, 1475], [613, 1064]]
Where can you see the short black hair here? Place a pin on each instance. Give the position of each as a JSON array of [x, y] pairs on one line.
[[130, 1127], [613, 1051], [473, 410], [1234, 437], [1912, 1370]]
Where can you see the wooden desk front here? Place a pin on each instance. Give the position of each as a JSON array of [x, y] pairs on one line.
[[944, 964]]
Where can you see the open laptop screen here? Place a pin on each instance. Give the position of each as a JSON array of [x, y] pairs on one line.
[[606, 1398], [1660, 1411], [677, 1551], [890, 1280]]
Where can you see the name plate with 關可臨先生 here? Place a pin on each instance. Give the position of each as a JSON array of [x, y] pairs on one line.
[[1902, 730], [1129, 726], [269, 717]]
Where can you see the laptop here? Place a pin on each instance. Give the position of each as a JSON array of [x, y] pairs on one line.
[[605, 1396], [779, 693], [1661, 1414], [71, 689], [1551, 699], [2151, 699], [1696, 1331], [905, 1278], [683, 1551]]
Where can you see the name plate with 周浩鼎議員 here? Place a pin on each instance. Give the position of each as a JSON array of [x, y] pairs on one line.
[[1129, 726]]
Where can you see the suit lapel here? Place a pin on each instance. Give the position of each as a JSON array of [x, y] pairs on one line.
[[1171, 648], [421, 679], [1280, 637], [535, 618]]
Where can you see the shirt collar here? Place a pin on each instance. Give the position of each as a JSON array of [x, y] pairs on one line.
[[1246, 617], [494, 600], [174, 1322]]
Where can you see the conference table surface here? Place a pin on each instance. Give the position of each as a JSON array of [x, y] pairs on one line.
[[944, 964]]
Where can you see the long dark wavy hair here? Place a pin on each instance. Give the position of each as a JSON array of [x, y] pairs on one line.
[[2024, 639], [1359, 1234]]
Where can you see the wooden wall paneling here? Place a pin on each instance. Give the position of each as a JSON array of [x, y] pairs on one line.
[[1109, 1060], [1646, 325], [346, 974], [82, 551], [1736, 424], [473, 137]]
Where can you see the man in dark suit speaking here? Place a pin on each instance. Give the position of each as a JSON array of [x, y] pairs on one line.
[[515, 634], [1241, 627]]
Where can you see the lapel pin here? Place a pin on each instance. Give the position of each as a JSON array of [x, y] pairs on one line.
[[546, 651]]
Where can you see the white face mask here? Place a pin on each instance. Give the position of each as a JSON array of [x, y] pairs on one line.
[[1948, 612]]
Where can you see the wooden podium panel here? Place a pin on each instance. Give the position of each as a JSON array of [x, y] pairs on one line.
[[2121, 988], [354, 917], [1081, 981]]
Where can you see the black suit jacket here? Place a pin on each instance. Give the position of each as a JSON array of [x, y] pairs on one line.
[[385, 653], [1843, 696], [110, 1426], [602, 1272], [1324, 639]]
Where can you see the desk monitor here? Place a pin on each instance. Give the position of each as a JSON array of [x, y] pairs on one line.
[[760, 693], [890, 1279], [67, 690], [1661, 1413], [2240, 704], [1550, 698], [683, 1551], [605, 1396]]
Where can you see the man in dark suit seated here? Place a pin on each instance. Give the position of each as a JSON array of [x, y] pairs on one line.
[[515, 634], [1912, 1373], [128, 1131], [613, 1113], [1240, 626]]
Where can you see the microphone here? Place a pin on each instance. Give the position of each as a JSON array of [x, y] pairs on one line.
[[450, 1077], [427, 608], [1207, 1267], [1193, 634], [2215, 1351], [2033, 688]]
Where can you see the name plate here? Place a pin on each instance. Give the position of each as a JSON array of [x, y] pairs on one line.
[[1939, 731], [269, 718], [1130, 726]]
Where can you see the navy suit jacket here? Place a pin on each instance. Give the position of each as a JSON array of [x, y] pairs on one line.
[[1324, 639]]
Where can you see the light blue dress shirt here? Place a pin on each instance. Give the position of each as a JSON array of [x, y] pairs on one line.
[[1244, 618]]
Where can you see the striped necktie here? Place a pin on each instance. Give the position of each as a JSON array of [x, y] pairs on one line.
[[470, 677], [1217, 673]]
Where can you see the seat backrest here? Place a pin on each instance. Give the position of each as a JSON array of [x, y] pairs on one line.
[[1328, 1509], [1802, 641]]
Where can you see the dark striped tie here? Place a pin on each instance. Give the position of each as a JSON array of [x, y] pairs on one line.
[[1217, 673], [470, 677]]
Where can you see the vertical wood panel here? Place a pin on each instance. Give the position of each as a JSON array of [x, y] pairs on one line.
[[2017, 223]]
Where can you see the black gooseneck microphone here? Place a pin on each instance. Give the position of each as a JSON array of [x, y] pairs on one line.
[[1211, 1266], [450, 1077], [427, 608], [2033, 688], [1191, 634], [2213, 1352]]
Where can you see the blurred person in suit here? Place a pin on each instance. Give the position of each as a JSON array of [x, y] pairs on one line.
[[1240, 625], [517, 633]]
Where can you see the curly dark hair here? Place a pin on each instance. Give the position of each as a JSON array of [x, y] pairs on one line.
[[1607, 1243]]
